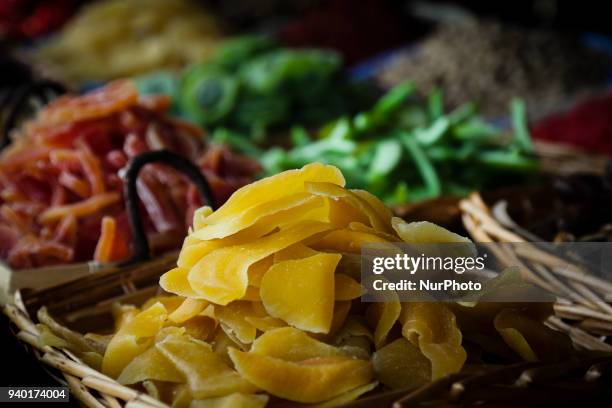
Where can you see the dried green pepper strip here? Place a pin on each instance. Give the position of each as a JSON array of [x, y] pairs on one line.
[[403, 149], [507, 160], [227, 137], [519, 123], [435, 106], [476, 129], [394, 99], [434, 133], [299, 136], [386, 157], [423, 164]]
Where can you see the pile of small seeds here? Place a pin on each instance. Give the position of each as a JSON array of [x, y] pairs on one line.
[[490, 63]]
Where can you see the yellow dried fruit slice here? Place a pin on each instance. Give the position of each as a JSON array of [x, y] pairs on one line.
[[301, 291], [425, 232], [232, 318], [176, 281], [350, 265], [356, 346], [132, 339], [354, 326], [222, 343], [345, 240], [195, 249], [341, 311], [182, 397], [515, 339], [320, 213], [476, 318], [152, 389], [92, 359], [190, 240], [123, 314], [341, 213], [200, 327], [150, 365], [188, 309], [347, 397], [530, 339], [259, 309], [190, 254], [308, 381], [433, 328], [232, 335], [383, 211], [209, 311], [222, 276], [169, 331], [76, 340], [171, 303], [360, 227], [400, 364], [509, 284], [199, 217], [336, 192], [346, 288], [206, 373], [235, 400], [476, 324], [382, 316], [291, 344], [252, 294], [265, 323], [276, 213], [259, 269], [295, 251], [275, 187]]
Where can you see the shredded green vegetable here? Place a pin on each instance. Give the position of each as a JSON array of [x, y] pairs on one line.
[[519, 122], [402, 149], [407, 150], [256, 87], [423, 165]]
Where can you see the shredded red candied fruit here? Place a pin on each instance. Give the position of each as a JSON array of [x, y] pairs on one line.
[[61, 193]]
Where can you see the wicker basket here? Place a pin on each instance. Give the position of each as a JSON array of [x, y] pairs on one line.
[[539, 385], [582, 308], [85, 305], [563, 160]]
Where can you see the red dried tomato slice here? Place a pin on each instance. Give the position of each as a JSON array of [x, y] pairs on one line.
[[114, 97]]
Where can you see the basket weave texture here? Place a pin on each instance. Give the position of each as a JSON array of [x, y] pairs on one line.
[[582, 308], [86, 303]]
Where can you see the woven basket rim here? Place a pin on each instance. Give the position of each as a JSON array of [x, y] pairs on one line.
[[585, 298], [96, 390]]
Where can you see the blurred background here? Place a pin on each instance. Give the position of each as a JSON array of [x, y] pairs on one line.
[[552, 54]]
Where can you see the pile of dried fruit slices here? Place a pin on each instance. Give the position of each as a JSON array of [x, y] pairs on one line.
[[264, 305], [61, 189]]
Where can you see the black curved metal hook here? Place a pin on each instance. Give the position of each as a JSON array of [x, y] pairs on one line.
[[141, 245], [18, 98]]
